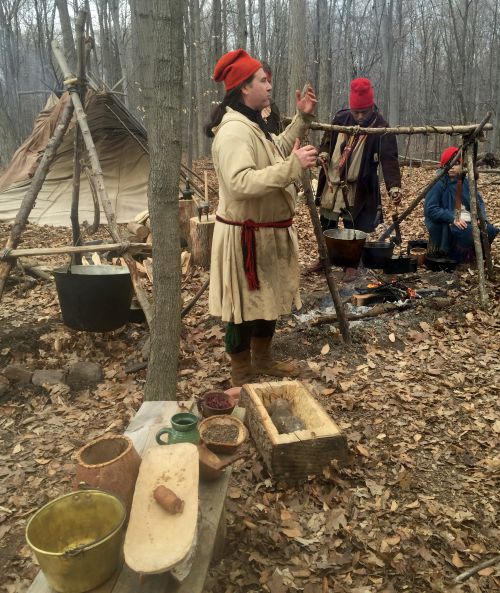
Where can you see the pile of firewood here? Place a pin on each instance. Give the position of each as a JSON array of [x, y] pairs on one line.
[[139, 229], [196, 228]]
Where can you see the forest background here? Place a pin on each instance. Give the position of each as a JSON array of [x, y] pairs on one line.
[[431, 61]]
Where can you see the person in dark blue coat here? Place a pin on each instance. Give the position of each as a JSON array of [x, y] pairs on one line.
[[448, 236]]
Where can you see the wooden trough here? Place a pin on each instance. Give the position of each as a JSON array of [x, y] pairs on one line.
[[292, 456]]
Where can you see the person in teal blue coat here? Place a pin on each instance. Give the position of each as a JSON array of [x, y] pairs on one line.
[[449, 237]]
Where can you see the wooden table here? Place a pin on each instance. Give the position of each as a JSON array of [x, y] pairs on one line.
[[211, 533]]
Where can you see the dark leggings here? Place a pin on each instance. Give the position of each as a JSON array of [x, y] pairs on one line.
[[239, 335], [327, 224]]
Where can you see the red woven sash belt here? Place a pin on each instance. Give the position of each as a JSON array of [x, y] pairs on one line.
[[248, 228]]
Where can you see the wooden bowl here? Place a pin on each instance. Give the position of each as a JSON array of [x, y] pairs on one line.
[[207, 410], [219, 446]]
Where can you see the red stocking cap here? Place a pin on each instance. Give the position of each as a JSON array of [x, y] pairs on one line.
[[361, 96], [234, 68], [448, 153]]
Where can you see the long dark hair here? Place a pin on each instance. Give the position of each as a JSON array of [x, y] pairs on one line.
[[231, 98]]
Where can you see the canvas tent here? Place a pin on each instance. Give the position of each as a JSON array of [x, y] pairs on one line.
[[125, 164]]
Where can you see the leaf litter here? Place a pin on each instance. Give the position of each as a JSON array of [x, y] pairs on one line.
[[416, 396]]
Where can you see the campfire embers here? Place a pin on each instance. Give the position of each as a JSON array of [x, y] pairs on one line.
[[378, 292]]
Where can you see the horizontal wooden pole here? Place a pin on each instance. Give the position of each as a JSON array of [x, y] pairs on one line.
[[427, 129], [79, 249]]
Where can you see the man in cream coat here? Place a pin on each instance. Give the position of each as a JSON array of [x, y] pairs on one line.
[[254, 274]]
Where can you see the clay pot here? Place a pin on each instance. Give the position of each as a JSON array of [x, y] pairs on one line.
[[109, 463], [207, 410]]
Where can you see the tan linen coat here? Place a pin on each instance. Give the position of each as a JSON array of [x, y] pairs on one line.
[[256, 181]]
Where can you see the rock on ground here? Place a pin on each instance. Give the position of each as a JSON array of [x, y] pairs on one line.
[[84, 373]]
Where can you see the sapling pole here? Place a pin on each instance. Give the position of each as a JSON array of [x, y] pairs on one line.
[[325, 260], [475, 229], [77, 144], [429, 129]]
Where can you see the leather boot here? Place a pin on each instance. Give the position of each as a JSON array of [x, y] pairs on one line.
[[241, 368], [263, 361]]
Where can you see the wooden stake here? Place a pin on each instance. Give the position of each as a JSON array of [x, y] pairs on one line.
[[484, 232], [475, 229], [325, 260], [33, 191], [99, 182]]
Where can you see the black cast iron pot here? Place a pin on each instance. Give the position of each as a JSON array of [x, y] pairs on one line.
[[440, 264], [376, 253], [94, 298], [400, 265]]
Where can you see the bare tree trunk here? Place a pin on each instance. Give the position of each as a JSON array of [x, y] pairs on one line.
[[115, 15], [198, 77], [263, 30], [217, 90], [495, 141], [68, 41], [143, 45], [385, 10], [250, 27], [224, 26], [165, 149], [242, 25], [191, 119], [460, 59], [10, 67], [325, 67], [296, 50]]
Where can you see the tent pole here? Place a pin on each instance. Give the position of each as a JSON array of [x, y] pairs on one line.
[[99, 180], [33, 191], [77, 145]]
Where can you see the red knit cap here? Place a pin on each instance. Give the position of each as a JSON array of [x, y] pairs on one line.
[[361, 96], [448, 153], [234, 68]]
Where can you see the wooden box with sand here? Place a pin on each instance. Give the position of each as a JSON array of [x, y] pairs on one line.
[[294, 455]]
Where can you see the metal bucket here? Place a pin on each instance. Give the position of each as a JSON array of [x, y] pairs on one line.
[[77, 539], [344, 246], [94, 298]]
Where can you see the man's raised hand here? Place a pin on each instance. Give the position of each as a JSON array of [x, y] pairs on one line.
[[306, 103], [307, 155]]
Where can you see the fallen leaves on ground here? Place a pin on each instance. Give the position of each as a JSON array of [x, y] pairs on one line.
[[416, 396]]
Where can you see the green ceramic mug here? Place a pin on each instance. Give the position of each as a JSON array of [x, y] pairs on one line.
[[184, 430]]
